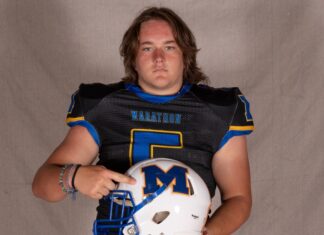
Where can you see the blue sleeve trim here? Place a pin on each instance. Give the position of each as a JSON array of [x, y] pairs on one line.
[[72, 102], [92, 130], [231, 134], [248, 115]]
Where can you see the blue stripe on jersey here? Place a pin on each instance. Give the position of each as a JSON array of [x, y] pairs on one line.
[[231, 134], [72, 102], [248, 114], [157, 99], [92, 130]]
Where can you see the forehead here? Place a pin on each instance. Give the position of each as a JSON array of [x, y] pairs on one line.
[[155, 30]]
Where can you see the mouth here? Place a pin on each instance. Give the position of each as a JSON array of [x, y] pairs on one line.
[[159, 70]]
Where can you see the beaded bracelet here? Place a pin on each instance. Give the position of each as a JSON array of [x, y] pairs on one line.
[[64, 181]]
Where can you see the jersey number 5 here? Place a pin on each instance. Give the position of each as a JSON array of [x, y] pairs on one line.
[[143, 142]]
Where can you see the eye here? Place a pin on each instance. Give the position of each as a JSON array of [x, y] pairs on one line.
[[147, 49], [169, 48]]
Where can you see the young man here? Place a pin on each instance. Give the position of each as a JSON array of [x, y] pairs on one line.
[[159, 95]]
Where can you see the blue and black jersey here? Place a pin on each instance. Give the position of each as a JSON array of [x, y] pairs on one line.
[[130, 125]]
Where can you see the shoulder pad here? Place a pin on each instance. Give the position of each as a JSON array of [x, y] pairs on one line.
[[217, 96], [98, 90]]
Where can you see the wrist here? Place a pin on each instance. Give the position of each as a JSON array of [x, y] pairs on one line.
[[77, 167], [66, 175]]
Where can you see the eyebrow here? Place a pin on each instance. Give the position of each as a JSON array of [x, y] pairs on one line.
[[151, 43]]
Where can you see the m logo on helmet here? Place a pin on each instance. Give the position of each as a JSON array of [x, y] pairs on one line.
[[155, 177]]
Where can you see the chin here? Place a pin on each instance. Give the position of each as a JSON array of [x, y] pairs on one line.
[[163, 84]]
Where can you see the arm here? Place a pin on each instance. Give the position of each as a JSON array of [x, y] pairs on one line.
[[78, 147], [231, 171]]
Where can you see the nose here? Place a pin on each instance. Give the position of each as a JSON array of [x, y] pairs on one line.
[[158, 55]]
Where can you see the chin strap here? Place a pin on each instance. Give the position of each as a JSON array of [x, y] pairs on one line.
[[150, 198]]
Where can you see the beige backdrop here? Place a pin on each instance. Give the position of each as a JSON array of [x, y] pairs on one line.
[[272, 49]]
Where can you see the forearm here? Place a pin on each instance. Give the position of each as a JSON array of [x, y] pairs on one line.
[[229, 216], [46, 183]]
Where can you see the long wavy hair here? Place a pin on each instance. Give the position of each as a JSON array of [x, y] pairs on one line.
[[182, 34]]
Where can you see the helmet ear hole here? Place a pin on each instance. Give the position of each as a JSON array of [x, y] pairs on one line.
[[159, 217]]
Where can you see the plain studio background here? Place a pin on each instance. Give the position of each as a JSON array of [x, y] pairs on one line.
[[271, 49]]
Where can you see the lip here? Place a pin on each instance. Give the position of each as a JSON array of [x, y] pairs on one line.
[[159, 70]]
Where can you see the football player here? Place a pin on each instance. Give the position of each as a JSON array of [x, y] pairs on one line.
[[158, 110]]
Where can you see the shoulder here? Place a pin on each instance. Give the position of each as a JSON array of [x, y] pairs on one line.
[[225, 96], [98, 90], [89, 95], [229, 104]]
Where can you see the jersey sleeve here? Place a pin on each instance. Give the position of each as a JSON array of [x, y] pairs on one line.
[[77, 114], [241, 123]]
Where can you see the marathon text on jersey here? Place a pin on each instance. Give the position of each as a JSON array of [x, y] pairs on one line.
[[157, 117]]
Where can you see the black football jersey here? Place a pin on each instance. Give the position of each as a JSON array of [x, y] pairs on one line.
[[130, 125]]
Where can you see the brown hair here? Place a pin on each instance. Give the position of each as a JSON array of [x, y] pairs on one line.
[[182, 34]]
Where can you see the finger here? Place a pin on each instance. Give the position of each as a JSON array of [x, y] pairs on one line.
[[120, 178], [104, 191], [109, 184], [98, 196], [205, 232]]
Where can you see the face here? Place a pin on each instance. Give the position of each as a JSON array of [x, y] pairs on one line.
[[159, 61]]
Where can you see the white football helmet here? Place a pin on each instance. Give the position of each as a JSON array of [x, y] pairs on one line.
[[169, 198]]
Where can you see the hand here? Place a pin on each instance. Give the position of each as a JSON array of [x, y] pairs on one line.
[[215, 231], [98, 181], [204, 231]]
